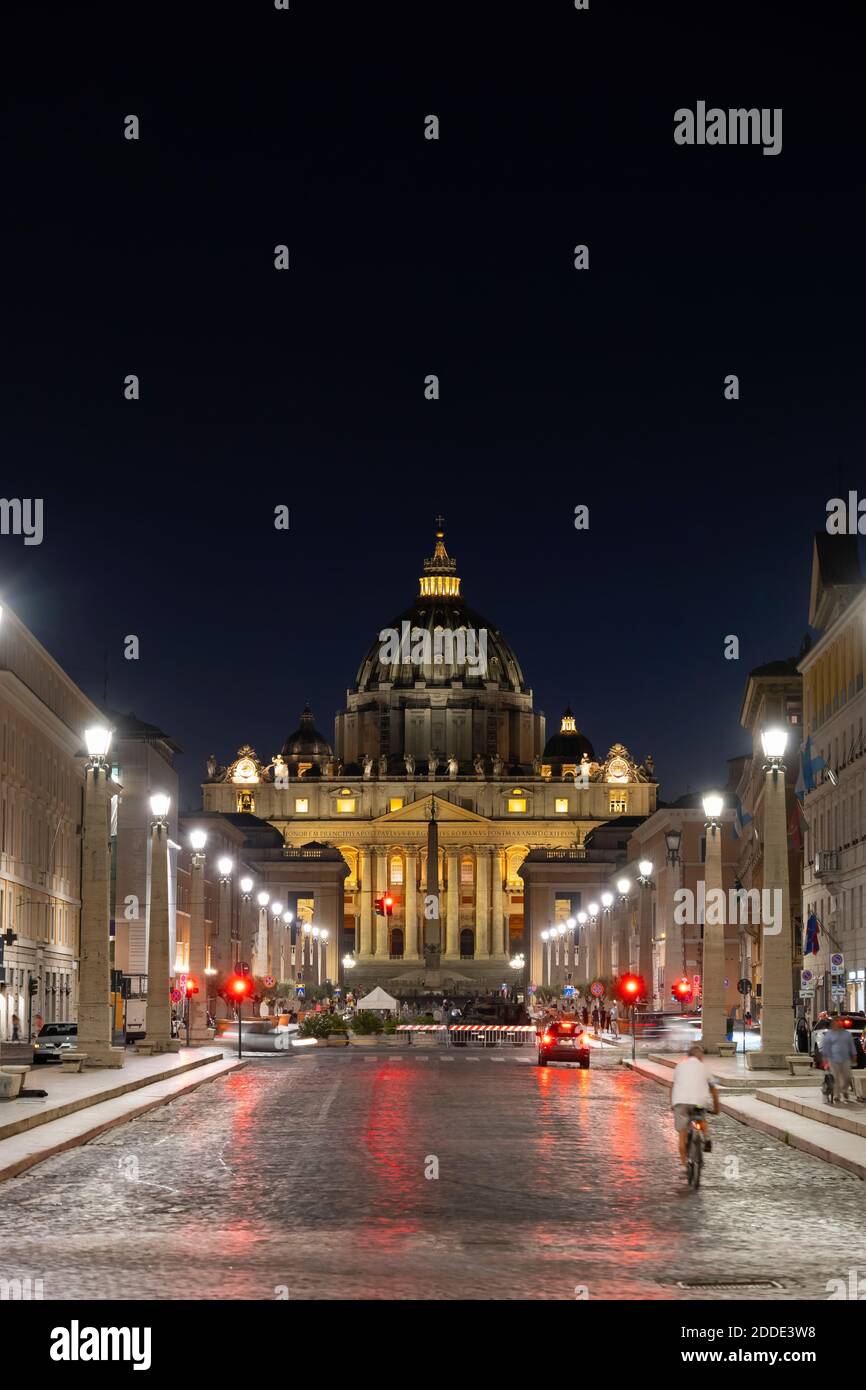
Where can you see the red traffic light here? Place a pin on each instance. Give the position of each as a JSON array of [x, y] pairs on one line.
[[385, 905], [191, 985], [631, 988], [240, 986], [681, 991]]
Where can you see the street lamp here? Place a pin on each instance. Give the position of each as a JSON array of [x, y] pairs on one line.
[[225, 867], [349, 962], [673, 839], [98, 741], [623, 887], [713, 1029], [645, 871], [159, 804], [774, 743], [246, 887]]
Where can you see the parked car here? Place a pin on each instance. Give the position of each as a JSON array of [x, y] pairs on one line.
[[53, 1039]]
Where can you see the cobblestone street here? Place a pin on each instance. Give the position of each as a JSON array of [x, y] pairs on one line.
[[309, 1172]]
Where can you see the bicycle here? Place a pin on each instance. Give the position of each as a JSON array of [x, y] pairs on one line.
[[698, 1142]]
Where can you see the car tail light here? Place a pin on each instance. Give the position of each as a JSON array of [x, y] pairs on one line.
[[547, 1038], [584, 1039], [567, 1027]]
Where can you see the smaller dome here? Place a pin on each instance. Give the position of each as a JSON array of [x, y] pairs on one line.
[[306, 742], [569, 745]]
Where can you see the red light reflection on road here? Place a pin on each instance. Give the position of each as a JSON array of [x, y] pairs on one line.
[[385, 1139]]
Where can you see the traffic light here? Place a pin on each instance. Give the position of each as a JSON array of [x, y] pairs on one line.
[[33, 986], [235, 989], [385, 905], [681, 991], [631, 988], [191, 986]]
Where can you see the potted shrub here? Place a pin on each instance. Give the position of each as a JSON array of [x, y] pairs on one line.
[[329, 1030], [366, 1029]]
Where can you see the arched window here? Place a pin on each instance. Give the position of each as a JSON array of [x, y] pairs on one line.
[[396, 868], [467, 944], [396, 943], [467, 869]]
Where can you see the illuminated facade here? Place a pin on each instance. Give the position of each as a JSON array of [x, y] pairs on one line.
[[439, 716]]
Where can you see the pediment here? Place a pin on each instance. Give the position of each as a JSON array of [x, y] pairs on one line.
[[418, 811]]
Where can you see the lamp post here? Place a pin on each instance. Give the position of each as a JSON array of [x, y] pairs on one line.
[[158, 964], [260, 966], [545, 936], [306, 949], [776, 952], [713, 1031], [285, 937], [675, 954], [197, 1029], [645, 927], [95, 1023], [245, 941], [596, 944], [277, 910], [623, 963], [582, 946]]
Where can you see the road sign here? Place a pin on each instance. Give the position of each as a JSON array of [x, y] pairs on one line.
[[569, 991], [597, 988], [268, 981], [806, 976], [837, 961], [301, 992], [744, 986]]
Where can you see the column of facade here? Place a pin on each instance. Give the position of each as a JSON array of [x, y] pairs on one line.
[[499, 926], [452, 906], [482, 902], [382, 923], [365, 875], [623, 949], [410, 908], [260, 955], [673, 932]]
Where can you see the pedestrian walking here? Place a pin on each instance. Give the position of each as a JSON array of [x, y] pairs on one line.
[[839, 1051], [16, 1028], [595, 1017], [585, 1015]]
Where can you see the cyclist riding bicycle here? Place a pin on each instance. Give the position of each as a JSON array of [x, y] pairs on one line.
[[693, 1086]]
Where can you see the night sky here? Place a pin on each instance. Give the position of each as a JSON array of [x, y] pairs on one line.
[[411, 257]]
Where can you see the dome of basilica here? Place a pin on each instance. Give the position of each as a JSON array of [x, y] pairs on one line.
[[306, 742], [439, 639], [568, 745]]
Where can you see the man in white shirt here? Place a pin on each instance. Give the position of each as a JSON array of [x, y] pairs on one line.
[[694, 1084]]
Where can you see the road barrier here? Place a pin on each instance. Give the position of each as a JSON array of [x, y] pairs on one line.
[[472, 1034]]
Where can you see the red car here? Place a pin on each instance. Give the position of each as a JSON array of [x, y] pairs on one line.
[[563, 1040]]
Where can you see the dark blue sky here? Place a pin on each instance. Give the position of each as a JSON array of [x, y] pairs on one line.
[[410, 257]]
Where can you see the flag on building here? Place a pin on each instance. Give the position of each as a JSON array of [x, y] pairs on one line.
[[741, 818], [809, 766], [812, 945]]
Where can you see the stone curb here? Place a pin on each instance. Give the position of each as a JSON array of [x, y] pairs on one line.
[[59, 1141]]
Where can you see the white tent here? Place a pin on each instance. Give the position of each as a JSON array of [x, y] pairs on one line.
[[377, 999]]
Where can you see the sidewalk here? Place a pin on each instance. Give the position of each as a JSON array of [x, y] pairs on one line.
[[81, 1105], [790, 1109]]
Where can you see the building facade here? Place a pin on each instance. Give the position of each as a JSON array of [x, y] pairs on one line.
[[834, 709], [440, 723], [43, 716]]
